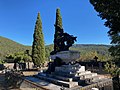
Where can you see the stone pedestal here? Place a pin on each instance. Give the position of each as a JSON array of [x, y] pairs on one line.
[[65, 74], [76, 68], [67, 56]]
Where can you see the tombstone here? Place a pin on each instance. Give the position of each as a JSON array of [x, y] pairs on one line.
[[63, 70], [100, 66]]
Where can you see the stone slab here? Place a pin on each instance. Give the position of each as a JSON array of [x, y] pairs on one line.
[[70, 68], [66, 56], [39, 82], [60, 77], [58, 82]]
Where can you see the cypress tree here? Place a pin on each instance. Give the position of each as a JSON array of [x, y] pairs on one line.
[[58, 21], [58, 29], [38, 47]]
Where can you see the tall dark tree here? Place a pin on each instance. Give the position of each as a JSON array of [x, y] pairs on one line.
[[109, 10], [58, 29], [38, 47]]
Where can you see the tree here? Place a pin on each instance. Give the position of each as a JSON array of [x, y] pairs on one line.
[[114, 71], [38, 47], [58, 29], [109, 10]]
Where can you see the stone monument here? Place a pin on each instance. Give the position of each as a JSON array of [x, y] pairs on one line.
[[61, 54], [63, 70]]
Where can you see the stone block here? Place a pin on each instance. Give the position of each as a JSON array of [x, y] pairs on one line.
[[70, 69], [94, 74], [57, 82], [84, 72], [66, 56], [60, 77]]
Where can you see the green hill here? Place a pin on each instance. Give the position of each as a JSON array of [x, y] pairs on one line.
[[88, 51], [8, 46]]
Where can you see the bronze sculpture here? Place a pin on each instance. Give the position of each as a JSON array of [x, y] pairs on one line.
[[63, 41]]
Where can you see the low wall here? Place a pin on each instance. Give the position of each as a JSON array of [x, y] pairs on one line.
[[11, 65]]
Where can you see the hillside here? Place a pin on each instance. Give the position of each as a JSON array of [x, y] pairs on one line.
[[8, 46], [99, 48], [88, 51]]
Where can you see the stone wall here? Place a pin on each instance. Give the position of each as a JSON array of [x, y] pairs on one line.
[[11, 65]]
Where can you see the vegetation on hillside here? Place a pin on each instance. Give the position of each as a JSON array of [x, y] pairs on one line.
[[8, 46], [109, 11], [19, 57], [87, 51]]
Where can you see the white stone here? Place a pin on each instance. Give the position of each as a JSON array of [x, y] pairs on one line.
[[94, 74], [66, 56], [84, 72], [94, 89], [70, 68]]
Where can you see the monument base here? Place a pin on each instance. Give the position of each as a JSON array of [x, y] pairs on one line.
[[66, 56], [74, 75]]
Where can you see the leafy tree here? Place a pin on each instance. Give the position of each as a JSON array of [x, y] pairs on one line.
[[10, 56], [38, 47], [111, 68], [109, 10], [114, 72], [48, 49], [58, 29], [19, 57], [1, 61]]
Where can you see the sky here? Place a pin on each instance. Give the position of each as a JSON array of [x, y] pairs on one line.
[[18, 17]]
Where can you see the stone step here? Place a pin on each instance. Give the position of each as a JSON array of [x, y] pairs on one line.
[[84, 72], [88, 80], [82, 83], [76, 78], [71, 71], [57, 82], [60, 77], [85, 76], [71, 74], [69, 68], [88, 75], [92, 79]]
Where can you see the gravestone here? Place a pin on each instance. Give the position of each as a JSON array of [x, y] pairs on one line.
[[63, 71]]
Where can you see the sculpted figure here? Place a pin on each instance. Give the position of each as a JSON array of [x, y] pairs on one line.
[[62, 41]]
